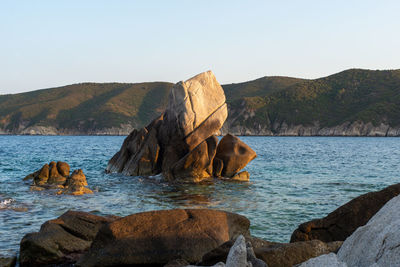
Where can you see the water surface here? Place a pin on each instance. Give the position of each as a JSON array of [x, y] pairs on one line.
[[293, 180]]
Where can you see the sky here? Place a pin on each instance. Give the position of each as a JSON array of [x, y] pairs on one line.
[[51, 43]]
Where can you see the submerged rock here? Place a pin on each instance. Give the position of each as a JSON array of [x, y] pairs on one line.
[[62, 240], [158, 237], [56, 176], [342, 222], [180, 143]]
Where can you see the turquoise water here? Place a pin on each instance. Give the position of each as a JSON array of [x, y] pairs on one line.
[[293, 179]]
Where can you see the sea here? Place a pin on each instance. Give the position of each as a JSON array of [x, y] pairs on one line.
[[293, 180]]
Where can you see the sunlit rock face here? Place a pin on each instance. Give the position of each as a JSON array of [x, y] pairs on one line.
[[180, 143]]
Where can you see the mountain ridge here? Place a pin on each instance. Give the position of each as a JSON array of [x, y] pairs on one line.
[[356, 102]]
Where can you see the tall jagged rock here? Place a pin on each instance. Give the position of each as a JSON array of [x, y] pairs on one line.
[[179, 143]]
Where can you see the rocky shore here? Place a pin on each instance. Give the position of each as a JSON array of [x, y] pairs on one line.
[[204, 237], [357, 128]]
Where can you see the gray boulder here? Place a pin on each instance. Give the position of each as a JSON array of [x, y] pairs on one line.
[[330, 260], [237, 256], [378, 242]]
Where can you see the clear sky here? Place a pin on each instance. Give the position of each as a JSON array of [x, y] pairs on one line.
[[53, 43]]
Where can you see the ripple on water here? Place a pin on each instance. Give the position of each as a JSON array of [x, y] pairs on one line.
[[294, 179]]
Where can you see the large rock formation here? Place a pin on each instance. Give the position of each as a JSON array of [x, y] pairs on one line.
[[181, 143], [342, 222], [158, 237], [375, 244], [62, 240], [56, 176]]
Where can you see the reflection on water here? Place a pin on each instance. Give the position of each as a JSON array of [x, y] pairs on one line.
[[292, 180]]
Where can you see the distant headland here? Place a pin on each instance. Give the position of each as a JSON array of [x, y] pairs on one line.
[[354, 102]]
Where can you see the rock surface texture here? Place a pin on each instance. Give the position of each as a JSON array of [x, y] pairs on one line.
[[62, 240], [342, 222], [181, 143], [287, 255], [375, 244], [56, 176], [159, 237]]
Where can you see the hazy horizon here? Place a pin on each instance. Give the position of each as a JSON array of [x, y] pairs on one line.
[[49, 44]]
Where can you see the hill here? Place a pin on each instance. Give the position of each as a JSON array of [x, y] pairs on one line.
[[352, 102]]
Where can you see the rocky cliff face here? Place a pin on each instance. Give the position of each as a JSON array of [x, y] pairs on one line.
[[356, 128], [124, 129]]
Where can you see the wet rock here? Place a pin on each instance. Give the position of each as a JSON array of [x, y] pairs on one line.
[[342, 222], [287, 255], [62, 240], [157, 237], [53, 177], [179, 143], [235, 155], [243, 176]]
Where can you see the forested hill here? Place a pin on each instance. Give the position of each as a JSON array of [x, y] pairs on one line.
[[352, 102]]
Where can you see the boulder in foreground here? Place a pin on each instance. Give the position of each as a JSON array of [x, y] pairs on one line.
[[62, 240], [375, 244], [342, 222], [159, 237], [181, 143]]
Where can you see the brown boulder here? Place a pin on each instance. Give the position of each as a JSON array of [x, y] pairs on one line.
[[158, 237], [55, 178], [62, 240], [197, 164], [243, 176], [234, 153], [63, 168], [49, 177], [342, 222], [76, 184], [290, 254], [42, 176]]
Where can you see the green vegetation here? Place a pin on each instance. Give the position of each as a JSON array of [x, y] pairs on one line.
[[351, 95]]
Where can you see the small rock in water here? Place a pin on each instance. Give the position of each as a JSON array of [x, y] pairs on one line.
[[56, 176]]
